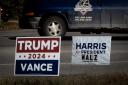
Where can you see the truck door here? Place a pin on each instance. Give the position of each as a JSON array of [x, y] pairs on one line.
[[84, 13], [113, 13]]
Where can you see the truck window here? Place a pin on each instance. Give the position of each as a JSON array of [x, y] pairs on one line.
[[114, 3]]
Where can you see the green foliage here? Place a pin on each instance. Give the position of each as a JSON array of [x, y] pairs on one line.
[[14, 7]]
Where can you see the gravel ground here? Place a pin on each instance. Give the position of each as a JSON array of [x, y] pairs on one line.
[[106, 79]]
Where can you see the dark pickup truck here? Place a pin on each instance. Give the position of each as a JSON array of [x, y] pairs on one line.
[[56, 17]]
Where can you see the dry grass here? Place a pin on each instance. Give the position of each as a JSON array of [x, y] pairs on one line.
[[106, 79], [8, 26]]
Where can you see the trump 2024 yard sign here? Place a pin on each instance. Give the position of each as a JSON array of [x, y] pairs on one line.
[[37, 56]]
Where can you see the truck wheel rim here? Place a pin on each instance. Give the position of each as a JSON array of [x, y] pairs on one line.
[[54, 28]]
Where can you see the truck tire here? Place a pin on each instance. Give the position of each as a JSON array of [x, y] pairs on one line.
[[53, 26]]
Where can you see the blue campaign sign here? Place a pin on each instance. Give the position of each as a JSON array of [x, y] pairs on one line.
[[38, 56]]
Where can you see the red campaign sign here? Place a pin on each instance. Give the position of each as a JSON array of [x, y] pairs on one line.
[[37, 45]]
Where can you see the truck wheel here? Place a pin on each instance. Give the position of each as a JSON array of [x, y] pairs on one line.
[[53, 26]]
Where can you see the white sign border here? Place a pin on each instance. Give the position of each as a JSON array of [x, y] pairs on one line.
[[36, 74], [91, 63]]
